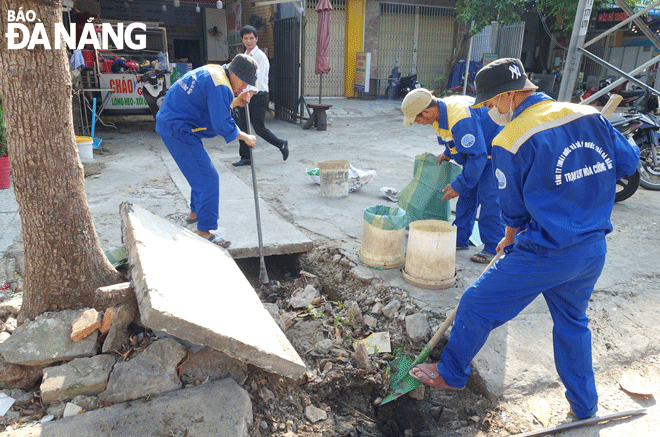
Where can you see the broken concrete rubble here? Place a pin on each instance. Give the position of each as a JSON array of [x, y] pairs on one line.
[[117, 334], [47, 339], [304, 296], [196, 306], [193, 411], [82, 376], [210, 364], [152, 372], [417, 326], [114, 295]]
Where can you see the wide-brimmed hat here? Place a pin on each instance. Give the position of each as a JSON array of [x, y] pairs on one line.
[[501, 76], [245, 68], [414, 103]]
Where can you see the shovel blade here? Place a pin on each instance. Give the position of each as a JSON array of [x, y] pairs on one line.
[[402, 382]]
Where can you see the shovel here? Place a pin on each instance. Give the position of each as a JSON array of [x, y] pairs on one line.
[[263, 274], [402, 382]]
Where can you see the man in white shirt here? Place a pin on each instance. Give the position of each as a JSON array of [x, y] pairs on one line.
[[258, 102]]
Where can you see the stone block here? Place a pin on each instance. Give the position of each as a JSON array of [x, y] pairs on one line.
[[82, 376], [47, 339]]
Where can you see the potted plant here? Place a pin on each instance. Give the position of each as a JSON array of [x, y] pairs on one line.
[[4, 159]]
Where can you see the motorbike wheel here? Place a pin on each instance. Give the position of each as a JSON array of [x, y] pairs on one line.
[[389, 92], [649, 174], [626, 187]]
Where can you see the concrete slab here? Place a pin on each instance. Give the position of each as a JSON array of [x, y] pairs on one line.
[[194, 290], [237, 220], [219, 409]]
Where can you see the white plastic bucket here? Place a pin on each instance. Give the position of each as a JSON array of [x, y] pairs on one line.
[[85, 147], [431, 254], [384, 248], [334, 178], [383, 237]]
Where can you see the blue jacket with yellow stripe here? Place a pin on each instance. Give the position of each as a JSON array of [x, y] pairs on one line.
[[557, 165], [466, 134], [199, 103]]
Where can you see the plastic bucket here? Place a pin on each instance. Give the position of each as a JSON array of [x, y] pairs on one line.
[[5, 174], [431, 255], [334, 178], [85, 147], [383, 237]]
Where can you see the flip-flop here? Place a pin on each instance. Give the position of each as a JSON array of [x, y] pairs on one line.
[[462, 248], [191, 221], [488, 257], [217, 239], [428, 374]]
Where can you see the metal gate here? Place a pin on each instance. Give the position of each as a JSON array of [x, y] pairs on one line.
[[505, 41], [416, 38], [286, 62], [333, 82]]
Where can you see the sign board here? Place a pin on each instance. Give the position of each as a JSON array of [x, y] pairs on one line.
[[234, 25], [126, 91], [362, 71], [489, 57], [586, 17]]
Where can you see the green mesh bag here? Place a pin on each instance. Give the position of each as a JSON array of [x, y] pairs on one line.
[[385, 217], [422, 197]]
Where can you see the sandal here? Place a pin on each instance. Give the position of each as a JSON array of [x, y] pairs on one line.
[[428, 374], [462, 248], [486, 257], [191, 221], [217, 239]]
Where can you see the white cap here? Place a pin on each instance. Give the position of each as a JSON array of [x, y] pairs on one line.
[[414, 103]]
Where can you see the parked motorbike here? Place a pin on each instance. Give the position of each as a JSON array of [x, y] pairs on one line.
[[646, 138], [630, 97], [154, 88], [399, 86], [627, 186]]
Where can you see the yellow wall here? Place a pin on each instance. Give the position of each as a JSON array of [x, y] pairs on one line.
[[354, 39]]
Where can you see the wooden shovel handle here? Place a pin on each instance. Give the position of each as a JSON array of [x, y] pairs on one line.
[[611, 105], [450, 318]]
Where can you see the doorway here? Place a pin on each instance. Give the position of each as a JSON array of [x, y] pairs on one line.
[[188, 48]]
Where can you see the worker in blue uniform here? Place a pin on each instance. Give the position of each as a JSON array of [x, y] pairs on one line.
[[466, 134], [199, 105], [556, 166]]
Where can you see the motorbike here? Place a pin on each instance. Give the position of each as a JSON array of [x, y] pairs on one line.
[[399, 86], [644, 127], [154, 88], [630, 97], [626, 186]]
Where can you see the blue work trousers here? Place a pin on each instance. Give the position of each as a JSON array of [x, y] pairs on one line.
[[491, 226], [502, 292], [195, 164]]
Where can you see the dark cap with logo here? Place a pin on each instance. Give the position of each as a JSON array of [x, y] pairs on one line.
[[245, 68], [501, 76]]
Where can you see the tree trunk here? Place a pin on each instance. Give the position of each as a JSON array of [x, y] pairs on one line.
[[64, 261]]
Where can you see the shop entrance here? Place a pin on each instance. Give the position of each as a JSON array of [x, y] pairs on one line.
[[188, 48]]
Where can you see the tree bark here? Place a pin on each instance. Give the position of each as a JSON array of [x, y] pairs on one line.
[[64, 261]]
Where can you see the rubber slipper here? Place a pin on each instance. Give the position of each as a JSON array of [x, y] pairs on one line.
[[462, 248], [428, 374], [487, 257], [216, 239], [191, 221]]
